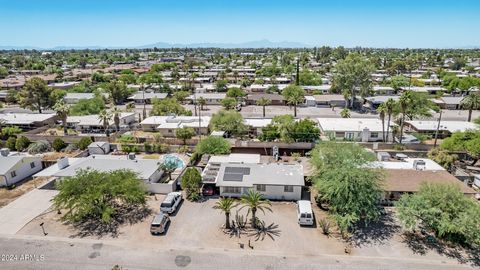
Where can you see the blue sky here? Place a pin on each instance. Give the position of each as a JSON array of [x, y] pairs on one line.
[[368, 23]]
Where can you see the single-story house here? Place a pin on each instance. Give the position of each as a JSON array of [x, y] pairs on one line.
[[406, 176], [28, 121], [372, 103], [275, 181], [383, 90], [256, 125], [354, 129], [147, 170], [210, 173], [167, 125], [316, 89], [326, 101], [73, 98], [15, 168], [449, 103], [445, 129], [63, 85], [92, 123], [276, 99], [141, 97], [425, 89], [210, 98]]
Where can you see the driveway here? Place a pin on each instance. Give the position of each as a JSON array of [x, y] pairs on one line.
[[18, 213]]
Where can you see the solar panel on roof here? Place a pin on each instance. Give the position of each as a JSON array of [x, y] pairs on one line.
[[235, 173]]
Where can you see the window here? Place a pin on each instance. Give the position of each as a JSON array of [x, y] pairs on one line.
[[236, 190], [374, 135], [32, 165], [288, 189], [170, 131], [13, 173], [349, 135], [261, 188]]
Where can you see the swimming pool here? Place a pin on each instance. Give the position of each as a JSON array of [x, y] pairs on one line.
[[176, 160]]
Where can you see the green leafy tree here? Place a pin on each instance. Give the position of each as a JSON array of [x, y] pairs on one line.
[[353, 75], [191, 183], [213, 145], [226, 205], [229, 103], [221, 85], [201, 102], [228, 121], [58, 144], [343, 180], [294, 95], [398, 82], [22, 143], [35, 95], [88, 107], [168, 106], [254, 200], [308, 77], [264, 102], [442, 157], [235, 92], [12, 131], [304, 130], [11, 143], [184, 133], [444, 210], [118, 91], [84, 142], [468, 141], [181, 95], [99, 196], [471, 102]]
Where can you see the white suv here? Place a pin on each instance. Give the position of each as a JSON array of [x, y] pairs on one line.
[[171, 202]]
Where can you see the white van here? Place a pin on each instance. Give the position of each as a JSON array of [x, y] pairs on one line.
[[305, 213], [169, 205]]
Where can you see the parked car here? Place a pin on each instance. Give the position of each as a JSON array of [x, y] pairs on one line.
[[159, 223], [208, 191], [305, 213], [171, 202]]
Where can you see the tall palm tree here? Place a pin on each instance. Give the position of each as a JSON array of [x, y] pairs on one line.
[[105, 117], [471, 102], [390, 106], [264, 102], [382, 110], [225, 205], [201, 102], [116, 117], [62, 111], [404, 101], [255, 201]]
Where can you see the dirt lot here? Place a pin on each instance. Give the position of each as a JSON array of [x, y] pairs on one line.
[[7, 196], [198, 225]]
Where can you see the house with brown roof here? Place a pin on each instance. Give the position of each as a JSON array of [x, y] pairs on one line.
[[276, 99]]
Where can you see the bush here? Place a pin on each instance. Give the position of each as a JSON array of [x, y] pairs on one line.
[[148, 147], [399, 147], [39, 147], [58, 144], [213, 145], [183, 149], [22, 143], [324, 225], [8, 132], [70, 148], [84, 143], [11, 143], [162, 148]]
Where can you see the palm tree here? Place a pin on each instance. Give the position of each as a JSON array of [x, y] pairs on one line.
[[263, 102], [225, 205], [471, 102], [345, 113], [382, 110], [255, 201], [390, 106], [404, 101], [201, 102], [116, 117], [62, 111], [105, 118]]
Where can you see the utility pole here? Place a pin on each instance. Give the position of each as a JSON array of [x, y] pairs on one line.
[[297, 77], [436, 131]]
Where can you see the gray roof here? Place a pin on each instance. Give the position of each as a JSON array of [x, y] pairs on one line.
[[148, 95], [144, 168], [247, 175], [7, 163]]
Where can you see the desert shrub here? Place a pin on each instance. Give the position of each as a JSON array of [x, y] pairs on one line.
[[58, 144], [324, 225], [183, 149], [11, 143], [39, 147], [70, 148], [148, 147], [162, 148], [84, 142], [22, 143]]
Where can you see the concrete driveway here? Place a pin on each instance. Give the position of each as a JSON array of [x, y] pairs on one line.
[[18, 213]]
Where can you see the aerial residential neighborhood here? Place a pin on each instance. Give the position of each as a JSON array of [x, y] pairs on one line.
[[162, 135]]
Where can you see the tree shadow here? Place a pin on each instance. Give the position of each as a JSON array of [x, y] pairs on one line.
[[377, 232], [422, 243], [262, 231], [93, 226]]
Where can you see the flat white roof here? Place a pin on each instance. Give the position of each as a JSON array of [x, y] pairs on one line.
[[451, 126], [407, 164], [351, 124], [257, 122], [235, 158], [174, 122], [247, 175], [24, 118], [93, 119]]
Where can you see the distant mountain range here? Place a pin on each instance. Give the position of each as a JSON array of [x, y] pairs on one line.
[[264, 43]]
